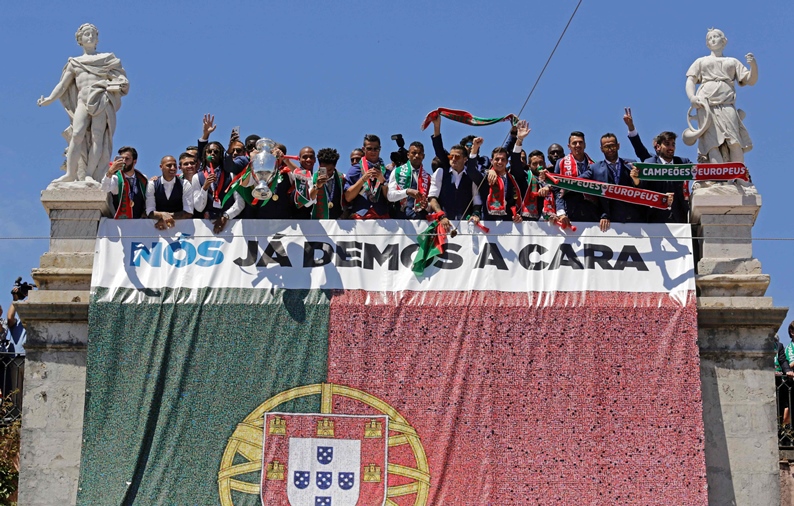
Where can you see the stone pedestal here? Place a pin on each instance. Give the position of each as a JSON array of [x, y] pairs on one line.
[[56, 320], [736, 325]]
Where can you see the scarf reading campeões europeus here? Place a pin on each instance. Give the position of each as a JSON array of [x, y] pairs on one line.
[[465, 117]]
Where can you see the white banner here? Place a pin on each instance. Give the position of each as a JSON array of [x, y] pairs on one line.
[[377, 256]]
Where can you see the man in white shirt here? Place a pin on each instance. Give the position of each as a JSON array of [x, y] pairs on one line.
[[453, 191], [168, 197]]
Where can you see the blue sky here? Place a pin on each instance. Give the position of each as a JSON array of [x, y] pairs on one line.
[[325, 73]]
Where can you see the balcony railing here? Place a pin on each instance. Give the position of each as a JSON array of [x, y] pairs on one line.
[[12, 373]]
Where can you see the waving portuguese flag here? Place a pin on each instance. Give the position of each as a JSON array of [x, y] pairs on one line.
[[465, 117]]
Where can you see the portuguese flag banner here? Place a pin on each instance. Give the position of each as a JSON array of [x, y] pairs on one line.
[[287, 363]]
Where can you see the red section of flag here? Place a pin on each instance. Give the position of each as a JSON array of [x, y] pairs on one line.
[[573, 398]]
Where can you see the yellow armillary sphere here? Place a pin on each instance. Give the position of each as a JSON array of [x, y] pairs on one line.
[[246, 441]]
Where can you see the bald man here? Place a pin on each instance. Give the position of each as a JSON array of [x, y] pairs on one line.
[[168, 197]]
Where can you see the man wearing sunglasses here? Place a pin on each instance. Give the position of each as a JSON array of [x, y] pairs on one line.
[[483, 162], [453, 191], [366, 186]]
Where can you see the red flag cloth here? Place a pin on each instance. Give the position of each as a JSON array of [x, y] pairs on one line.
[[464, 117], [521, 397]]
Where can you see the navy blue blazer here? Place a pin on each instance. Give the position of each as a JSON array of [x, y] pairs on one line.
[[615, 210]]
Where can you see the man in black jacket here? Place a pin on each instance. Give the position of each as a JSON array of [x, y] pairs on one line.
[[664, 145]]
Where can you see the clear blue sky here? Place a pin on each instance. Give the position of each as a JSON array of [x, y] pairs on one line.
[[325, 73]]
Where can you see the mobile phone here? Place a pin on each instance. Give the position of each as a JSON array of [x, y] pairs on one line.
[[322, 172], [236, 131]]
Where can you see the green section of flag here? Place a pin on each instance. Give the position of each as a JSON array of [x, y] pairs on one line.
[[578, 185], [167, 383], [431, 244]]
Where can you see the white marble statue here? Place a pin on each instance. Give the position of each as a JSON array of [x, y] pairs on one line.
[[721, 134], [90, 89]]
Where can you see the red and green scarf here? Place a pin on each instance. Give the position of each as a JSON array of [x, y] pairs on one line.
[[496, 203], [465, 117], [126, 204], [404, 176], [610, 191]]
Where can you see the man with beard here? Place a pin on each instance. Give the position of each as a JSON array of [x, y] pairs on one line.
[[126, 184], [614, 170], [168, 197], [366, 186], [664, 146], [212, 181]]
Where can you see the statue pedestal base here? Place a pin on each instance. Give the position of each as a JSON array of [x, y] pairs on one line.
[[735, 328], [56, 320]]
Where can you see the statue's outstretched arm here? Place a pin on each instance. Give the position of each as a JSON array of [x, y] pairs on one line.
[[66, 79]]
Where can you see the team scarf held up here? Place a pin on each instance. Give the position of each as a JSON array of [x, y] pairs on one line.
[[465, 117], [569, 168], [404, 175], [126, 204], [692, 171], [610, 191]]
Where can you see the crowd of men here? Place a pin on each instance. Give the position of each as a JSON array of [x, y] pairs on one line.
[[463, 184]]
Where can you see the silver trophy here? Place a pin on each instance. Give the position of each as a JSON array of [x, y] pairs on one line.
[[264, 165]]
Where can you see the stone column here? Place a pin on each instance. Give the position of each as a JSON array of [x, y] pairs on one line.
[[736, 325], [56, 319]]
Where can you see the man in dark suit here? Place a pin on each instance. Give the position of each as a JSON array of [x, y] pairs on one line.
[[614, 170], [664, 145]]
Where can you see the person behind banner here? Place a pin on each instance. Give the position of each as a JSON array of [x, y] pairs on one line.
[[210, 185], [366, 187], [555, 152], [303, 176], [188, 166], [212, 181], [615, 170], [409, 185], [328, 187], [286, 196], [453, 191], [678, 191], [503, 193], [126, 185], [168, 198], [574, 206]]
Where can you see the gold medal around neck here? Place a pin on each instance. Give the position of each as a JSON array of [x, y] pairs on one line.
[[275, 197], [330, 205], [132, 204]]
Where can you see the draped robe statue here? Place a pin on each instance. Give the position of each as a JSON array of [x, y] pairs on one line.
[[90, 90], [721, 134]]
